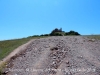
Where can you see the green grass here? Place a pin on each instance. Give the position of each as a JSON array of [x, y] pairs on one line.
[[8, 46]]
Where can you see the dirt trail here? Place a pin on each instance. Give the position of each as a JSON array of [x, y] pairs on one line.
[[63, 55]]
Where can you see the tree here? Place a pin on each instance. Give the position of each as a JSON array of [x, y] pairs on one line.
[[59, 32], [56, 32]]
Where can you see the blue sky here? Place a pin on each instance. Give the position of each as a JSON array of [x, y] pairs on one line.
[[22, 18]]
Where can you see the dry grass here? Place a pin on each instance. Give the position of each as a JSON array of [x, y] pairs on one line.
[[96, 37], [2, 66]]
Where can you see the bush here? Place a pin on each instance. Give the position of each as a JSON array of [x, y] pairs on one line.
[[57, 34], [44, 35], [72, 33]]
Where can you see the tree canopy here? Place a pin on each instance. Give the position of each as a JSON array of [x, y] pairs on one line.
[[59, 32]]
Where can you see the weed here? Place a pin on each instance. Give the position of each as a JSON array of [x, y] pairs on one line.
[[2, 66]]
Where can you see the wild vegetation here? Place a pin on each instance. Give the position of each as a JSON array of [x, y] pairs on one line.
[[60, 32]]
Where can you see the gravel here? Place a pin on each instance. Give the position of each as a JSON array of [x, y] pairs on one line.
[[62, 55]]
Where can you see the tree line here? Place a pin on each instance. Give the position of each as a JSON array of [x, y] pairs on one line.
[[59, 32]]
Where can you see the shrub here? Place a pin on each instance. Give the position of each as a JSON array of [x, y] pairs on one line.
[[72, 33]]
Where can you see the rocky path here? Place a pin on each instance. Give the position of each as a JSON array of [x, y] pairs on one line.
[[63, 55]]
